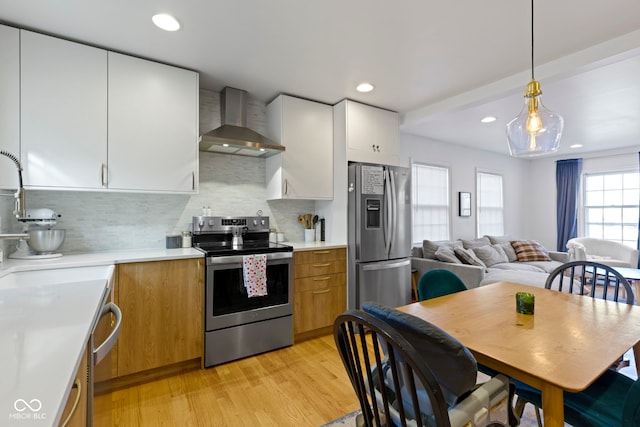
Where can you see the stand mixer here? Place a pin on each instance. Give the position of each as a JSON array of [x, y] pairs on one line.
[[43, 240]]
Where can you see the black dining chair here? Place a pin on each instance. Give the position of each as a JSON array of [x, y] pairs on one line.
[[386, 354], [592, 279], [587, 408]]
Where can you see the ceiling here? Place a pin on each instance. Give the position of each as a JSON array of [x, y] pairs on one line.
[[442, 65]]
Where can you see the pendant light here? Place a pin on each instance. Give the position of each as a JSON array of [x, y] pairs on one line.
[[536, 130]]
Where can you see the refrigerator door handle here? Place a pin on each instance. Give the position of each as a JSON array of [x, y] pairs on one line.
[[386, 266], [389, 211], [394, 210]]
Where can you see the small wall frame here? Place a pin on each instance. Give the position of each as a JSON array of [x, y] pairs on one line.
[[464, 203]]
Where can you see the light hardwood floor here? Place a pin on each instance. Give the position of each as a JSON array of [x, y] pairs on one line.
[[301, 385]]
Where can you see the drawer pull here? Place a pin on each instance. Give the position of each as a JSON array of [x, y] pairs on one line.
[[322, 292], [321, 252], [321, 279], [321, 265]]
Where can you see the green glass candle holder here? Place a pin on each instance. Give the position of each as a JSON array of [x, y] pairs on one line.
[[525, 302]]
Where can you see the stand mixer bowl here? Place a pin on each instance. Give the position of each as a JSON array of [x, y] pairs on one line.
[[45, 241]]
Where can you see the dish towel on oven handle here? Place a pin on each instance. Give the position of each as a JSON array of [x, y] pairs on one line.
[[254, 270]]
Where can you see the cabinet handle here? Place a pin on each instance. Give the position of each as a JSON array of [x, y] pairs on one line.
[[321, 265], [77, 384], [321, 279], [321, 252], [321, 292], [286, 187], [103, 174], [193, 180]]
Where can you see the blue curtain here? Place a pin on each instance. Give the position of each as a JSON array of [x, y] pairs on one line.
[[567, 185]]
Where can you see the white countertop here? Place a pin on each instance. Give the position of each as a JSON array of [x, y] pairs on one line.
[[307, 246], [46, 319], [98, 258]]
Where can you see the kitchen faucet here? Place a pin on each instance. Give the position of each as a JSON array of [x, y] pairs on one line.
[[20, 210]]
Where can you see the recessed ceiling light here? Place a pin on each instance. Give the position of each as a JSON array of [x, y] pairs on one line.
[[166, 22], [488, 119], [576, 146], [364, 87]]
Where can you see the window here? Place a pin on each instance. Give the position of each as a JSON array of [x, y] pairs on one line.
[[490, 210], [610, 207], [430, 202]]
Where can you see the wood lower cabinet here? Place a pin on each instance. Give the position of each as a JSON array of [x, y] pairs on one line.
[[320, 291], [162, 318]]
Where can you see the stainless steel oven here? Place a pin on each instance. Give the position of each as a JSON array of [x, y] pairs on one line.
[[237, 324]]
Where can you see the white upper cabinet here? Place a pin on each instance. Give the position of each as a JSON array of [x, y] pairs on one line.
[[305, 169], [153, 122], [9, 105], [63, 112], [92, 119], [372, 134]]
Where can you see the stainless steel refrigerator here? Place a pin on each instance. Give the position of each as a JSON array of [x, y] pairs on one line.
[[379, 207]]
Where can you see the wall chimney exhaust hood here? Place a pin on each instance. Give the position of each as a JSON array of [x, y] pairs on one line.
[[234, 137]]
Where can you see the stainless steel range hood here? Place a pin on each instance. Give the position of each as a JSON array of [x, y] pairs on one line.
[[234, 137]]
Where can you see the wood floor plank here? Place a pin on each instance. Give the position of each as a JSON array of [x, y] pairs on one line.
[[301, 385]]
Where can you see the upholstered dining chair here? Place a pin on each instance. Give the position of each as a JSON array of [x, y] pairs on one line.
[[404, 371], [594, 280], [438, 282], [612, 400]]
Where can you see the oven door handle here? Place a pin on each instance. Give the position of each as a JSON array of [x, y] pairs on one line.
[[238, 258]]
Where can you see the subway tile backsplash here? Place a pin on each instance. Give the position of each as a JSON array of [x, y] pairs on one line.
[[229, 185]]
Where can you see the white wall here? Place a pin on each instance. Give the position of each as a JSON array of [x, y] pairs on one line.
[[529, 185], [463, 163]]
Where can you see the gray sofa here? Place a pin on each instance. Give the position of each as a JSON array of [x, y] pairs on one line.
[[489, 259]]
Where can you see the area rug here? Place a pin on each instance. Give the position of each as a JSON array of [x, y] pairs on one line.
[[348, 420]]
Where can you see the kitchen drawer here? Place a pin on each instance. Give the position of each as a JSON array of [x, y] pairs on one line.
[[319, 268], [320, 283], [316, 309], [319, 255]]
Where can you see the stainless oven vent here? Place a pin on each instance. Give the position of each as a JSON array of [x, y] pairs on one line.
[[234, 137]]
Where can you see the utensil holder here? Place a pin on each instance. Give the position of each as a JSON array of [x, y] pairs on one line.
[[309, 234]]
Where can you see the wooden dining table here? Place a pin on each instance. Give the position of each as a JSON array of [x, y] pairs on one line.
[[567, 343]]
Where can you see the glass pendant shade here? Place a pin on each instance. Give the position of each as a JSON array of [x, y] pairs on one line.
[[536, 130]]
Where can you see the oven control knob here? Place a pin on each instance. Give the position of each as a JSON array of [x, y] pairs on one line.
[[262, 222], [211, 223], [255, 222]]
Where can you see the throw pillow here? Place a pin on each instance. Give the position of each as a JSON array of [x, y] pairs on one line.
[[530, 250], [446, 254], [430, 247], [491, 254], [468, 257], [508, 249], [480, 241], [495, 240]]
